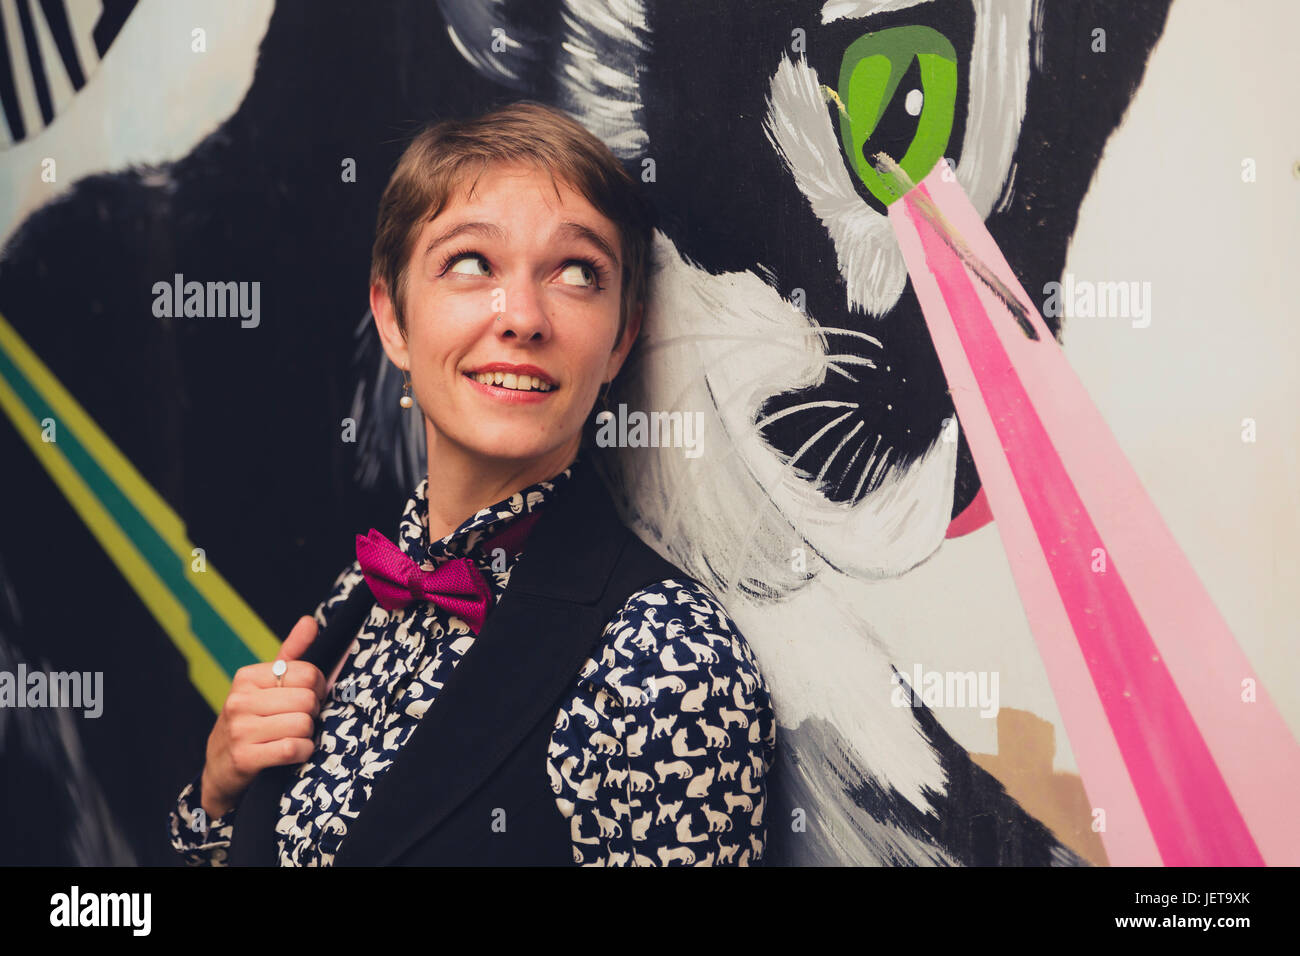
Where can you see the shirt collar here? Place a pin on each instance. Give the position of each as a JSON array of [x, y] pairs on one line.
[[414, 528]]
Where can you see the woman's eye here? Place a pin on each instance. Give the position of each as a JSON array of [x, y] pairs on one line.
[[579, 273], [470, 265]]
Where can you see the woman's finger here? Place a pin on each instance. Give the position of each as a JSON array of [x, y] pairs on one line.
[[275, 700], [275, 753], [299, 639], [296, 674], [259, 730]]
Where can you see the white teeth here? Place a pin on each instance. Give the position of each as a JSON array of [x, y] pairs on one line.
[[520, 383]]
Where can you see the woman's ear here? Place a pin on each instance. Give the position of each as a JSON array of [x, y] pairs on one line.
[[390, 333]]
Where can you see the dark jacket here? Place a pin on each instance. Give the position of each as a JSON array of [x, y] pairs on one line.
[[470, 787]]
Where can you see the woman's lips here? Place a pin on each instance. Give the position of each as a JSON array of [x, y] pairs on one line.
[[507, 368], [511, 396]]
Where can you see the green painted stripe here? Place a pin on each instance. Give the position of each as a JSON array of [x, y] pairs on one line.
[[208, 626]]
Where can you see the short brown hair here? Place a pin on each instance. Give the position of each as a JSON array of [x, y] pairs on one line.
[[435, 162]]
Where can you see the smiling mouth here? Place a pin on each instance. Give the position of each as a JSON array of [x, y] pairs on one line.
[[518, 383]]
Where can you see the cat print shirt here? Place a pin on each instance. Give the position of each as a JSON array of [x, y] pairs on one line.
[[659, 756]]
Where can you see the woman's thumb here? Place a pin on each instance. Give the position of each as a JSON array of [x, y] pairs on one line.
[[299, 639]]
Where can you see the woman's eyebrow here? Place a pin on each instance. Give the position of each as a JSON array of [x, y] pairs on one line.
[[490, 230], [578, 231], [567, 229]]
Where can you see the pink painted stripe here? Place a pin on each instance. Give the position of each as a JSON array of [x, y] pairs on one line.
[[1126, 836], [973, 517], [1250, 742], [1177, 781]]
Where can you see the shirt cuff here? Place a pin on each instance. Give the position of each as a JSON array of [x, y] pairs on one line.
[[200, 841]]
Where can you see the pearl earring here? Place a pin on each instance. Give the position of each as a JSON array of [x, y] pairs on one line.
[[406, 401]]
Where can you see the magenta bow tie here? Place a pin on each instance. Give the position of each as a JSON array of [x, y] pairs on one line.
[[456, 585], [396, 580]]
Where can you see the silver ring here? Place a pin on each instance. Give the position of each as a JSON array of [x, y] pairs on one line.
[[278, 669]]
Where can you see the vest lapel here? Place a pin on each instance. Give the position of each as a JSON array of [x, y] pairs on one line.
[[529, 651]]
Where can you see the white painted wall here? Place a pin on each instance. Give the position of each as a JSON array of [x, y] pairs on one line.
[[150, 100], [1169, 207]]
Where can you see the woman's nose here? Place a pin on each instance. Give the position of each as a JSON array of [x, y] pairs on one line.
[[523, 314]]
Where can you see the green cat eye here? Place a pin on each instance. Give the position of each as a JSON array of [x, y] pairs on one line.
[[871, 75]]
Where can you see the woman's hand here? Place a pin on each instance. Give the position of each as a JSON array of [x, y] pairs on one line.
[[262, 725]]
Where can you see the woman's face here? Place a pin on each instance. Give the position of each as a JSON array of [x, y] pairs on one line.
[[550, 267]]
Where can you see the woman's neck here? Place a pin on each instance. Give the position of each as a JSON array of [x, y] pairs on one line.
[[462, 483]]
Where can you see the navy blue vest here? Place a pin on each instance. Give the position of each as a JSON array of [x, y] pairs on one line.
[[469, 787]]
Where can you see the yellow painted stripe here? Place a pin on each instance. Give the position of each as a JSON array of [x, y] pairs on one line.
[[205, 670], [206, 674]]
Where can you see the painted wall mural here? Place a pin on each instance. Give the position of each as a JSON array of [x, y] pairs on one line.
[[987, 642], [78, 35]]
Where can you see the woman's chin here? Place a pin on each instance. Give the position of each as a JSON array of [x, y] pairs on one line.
[[514, 445]]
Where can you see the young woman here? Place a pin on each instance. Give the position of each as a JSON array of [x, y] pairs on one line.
[[524, 681]]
